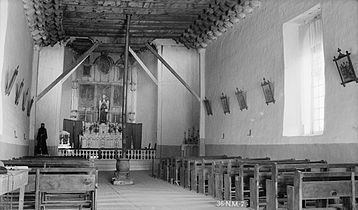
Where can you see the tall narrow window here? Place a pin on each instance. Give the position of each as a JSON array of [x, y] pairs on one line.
[[304, 75]]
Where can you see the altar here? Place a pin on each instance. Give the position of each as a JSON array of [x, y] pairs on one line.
[[101, 136]]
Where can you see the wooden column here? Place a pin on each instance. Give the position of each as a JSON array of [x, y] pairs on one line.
[[202, 96], [125, 86]]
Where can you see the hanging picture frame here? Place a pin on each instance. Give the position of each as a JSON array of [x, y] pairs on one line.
[[19, 91], [345, 68], [24, 99], [241, 99], [225, 103], [207, 105], [267, 88], [29, 106], [10, 82]]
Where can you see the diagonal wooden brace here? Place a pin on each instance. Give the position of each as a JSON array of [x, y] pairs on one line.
[[172, 71], [68, 71], [143, 66]]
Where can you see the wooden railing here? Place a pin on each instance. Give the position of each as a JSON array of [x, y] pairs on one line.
[[109, 153]]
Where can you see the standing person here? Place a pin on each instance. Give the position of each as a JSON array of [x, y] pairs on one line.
[[41, 140]]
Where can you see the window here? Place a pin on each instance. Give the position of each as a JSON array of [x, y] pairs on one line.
[[304, 75]]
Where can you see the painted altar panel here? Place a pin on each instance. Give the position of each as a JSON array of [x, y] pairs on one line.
[[87, 96]]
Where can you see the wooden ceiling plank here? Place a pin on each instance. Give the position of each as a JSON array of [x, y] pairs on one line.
[[101, 34], [119, 26], [121, 16]]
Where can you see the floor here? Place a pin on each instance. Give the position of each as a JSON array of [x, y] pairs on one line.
[[148, 193]]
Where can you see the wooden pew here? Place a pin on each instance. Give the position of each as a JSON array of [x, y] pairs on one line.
[[199, 170], [59, 182], [247, 178], [64, 187], [323, 185], [46, 162], [227, 171], [283, 175], [264, 171]]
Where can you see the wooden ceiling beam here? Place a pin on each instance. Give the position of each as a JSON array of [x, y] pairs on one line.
[[121, 31], [121, 16], [119, 26], [114, 40], [118, 50], [102, 34], [188, 9], [174, 21], [126, 2]]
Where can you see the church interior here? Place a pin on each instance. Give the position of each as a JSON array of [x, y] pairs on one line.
[[169, 104]]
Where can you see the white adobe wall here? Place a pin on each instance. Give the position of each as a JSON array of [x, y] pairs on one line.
[[178, 110], [147, 94], [253, 49], [18, 50], [51, 64]]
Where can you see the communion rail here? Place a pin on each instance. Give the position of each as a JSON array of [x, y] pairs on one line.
[[109, 153]]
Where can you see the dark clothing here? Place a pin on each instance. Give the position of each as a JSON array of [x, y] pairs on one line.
[[41, 141], [103, 113]]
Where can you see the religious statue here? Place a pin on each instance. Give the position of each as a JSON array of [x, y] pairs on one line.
[[103, 109]]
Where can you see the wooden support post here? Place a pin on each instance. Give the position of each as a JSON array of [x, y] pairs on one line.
[[143, 66], [201, 179], [211, 181], [239, 184], [270, 195], [125, 86], [182, 172], [187, 180], [297, 198], [254, 189], [37, 189], [227, 186], [290, 197], [68, 71], [172, 71], [353, 191]]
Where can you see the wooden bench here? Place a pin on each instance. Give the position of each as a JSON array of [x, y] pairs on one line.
[[245, 179], [59, 182], [338, 188], [59, 187], [11, 181], [50, 161]]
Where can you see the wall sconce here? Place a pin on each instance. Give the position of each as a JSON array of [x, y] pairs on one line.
[[225, 103], [267, 88], [345, 68], [241, 98], [207, 105]]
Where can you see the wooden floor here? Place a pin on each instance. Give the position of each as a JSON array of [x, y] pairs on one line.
[[149, 193]]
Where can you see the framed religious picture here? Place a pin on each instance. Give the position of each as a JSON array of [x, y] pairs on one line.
[[345, 68], [225, 103], [241, 99], [207, 105], [267, 88]]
